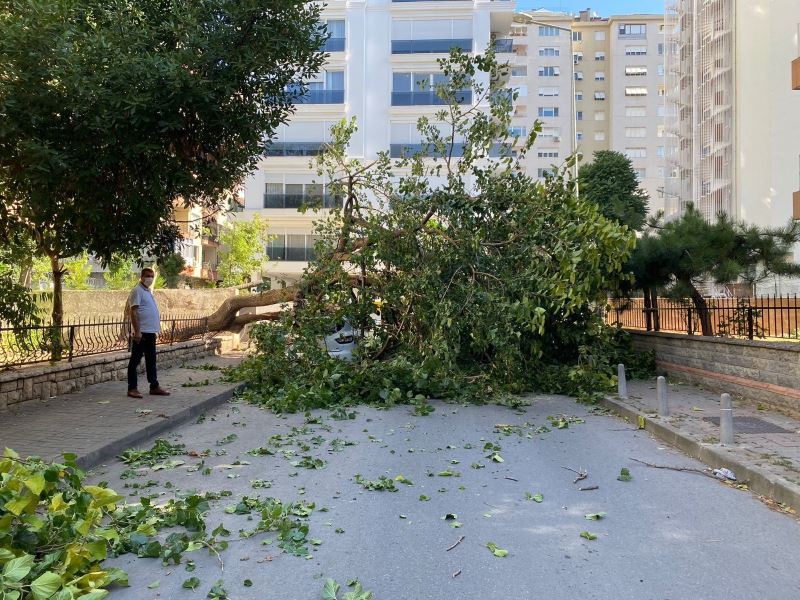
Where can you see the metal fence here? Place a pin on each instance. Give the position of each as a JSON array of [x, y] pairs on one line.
[[763, 317], [34, 344]]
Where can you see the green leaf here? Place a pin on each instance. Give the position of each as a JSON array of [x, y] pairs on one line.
[[247, 583], [497, 551], [18, 568], [156, 584], [538, 498], [191, 584], [35, 483], [330, 589], [624, 475], [588, 536], [45, 585], [594, 516], [424, 498]]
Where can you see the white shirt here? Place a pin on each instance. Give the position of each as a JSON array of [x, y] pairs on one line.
[[149, 318]]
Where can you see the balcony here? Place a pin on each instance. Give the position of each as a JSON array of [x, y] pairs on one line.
[[504, 46], [408, 150], [796, 74], [297, 200], [321, 97], [427, 98], [430, 46], [334, 45], [294, 148]]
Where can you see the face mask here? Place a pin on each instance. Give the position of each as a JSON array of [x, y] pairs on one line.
[[148, 281]]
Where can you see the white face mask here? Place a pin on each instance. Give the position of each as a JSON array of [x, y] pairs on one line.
[[148, 281]]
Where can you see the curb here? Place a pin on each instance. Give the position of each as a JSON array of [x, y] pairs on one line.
[[113, 448], [758, 479]]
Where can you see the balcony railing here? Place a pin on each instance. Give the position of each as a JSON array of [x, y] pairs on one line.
[[295, 148], [427, 98], [322, 97], [504, 46], [298, 200], [408, 150], [334, 45], [430, 46]]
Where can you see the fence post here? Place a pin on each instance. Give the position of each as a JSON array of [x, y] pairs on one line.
[[172, 333], [689, 328], [71, 342], [749, 322]]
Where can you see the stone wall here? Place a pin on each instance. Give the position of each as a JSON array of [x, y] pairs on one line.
[[757, 372], [45, 381], [82, 304]]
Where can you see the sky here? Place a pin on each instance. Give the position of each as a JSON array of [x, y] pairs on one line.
[[603, 7]]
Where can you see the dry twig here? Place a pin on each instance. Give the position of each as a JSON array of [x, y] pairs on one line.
[[686, 469], [589, 488], [581, 473], [457, 573], [458, 541]]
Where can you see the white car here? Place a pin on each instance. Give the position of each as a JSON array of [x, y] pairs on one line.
[[342, 342]]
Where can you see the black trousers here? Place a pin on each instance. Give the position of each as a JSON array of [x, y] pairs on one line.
[[145, 347]]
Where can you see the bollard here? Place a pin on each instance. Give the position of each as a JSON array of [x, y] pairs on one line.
[[622, 384], [726, 420], [661, 394]]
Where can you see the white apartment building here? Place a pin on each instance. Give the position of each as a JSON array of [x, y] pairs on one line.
[[379, 52], [735, 134]]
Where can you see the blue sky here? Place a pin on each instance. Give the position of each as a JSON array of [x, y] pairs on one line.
[[602, 7]]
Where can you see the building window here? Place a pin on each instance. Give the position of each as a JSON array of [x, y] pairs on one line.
[[291, 247], [419, 89], [521, 71], [629, 30], [336, 41], [578, 75], [579, 115], [635, 71], [425, 36], [578, 136], [661, 48], [517, 131], [636, 152], [635, 111], [548, 31], [599, 95], [549, 71], [599, 136], [577, 36], [295, 195], [551, 132], [578, 95], [599, 55], [548, 153], [636, 91], [328, 91], [641, 174], [548, 111], [541, 173], [635, 50], [660, 69], [600, 76], [599, 36], [548, 91], [577, 57], [660, 152], [636, 132], [600, 115], [549, 51]]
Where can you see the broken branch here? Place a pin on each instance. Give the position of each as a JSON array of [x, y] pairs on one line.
[[461, 539]]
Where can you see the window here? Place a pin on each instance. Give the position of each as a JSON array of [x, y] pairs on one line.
[[635, 71], [600, 76], [633, 30], [600, 115], [548, 91], [641, 173], [521, 71], [577, 36], [549, 51], [579, 115], [635, 111], [517, 131], [660, 69], [599, 95], [661, 48], [419, 88], [540, 173], [660, 131], [599, 136], [336, 41], [636, 152], [551, 132], [660, 152], [430, 35], [578, 75], [635, 50], [577, 57], [600, 36], [549, 71], [295, 195], [546, 31], [636, 132], [291, 247], [599, 55], [548, 111], [578, 95], [328, 90], [548, 153], [636, 91], [578, 136]]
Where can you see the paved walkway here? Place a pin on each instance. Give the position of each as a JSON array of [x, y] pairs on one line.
[[766, 455], [100, 421]]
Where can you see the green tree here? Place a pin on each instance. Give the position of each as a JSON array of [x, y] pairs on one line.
[[111, 111], [610, 182], [77, 271], [120, 273], [686, 252], [170, 267], [242, 250]]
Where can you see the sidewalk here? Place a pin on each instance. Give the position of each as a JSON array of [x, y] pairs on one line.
[[766, 456], [100, 421]]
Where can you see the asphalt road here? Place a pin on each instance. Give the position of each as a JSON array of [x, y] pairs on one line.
[[666, 534]]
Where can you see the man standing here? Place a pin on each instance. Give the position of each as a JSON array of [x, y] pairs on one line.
[[145, 326]]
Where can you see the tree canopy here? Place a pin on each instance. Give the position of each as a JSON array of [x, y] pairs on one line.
[[611, 182], [242, 250]]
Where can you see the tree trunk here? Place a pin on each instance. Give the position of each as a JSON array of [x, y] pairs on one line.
[[26, 271], [703, 314], [654, 305], [225, 317], [58, 310], [648, 313]]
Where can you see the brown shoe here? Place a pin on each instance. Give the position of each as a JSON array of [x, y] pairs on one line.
[[159, 392], [134, 394]]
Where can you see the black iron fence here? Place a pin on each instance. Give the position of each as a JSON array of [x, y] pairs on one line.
[[763, 317], [36, 343]]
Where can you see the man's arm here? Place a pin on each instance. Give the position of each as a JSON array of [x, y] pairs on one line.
[[137, 332]]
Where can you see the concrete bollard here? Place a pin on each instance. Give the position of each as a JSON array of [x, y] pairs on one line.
[[661, 394], [726, 420], [622, 384]]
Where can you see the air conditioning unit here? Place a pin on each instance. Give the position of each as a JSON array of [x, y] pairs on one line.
[[556, 138]]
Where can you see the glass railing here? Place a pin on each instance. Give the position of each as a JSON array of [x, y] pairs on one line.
[[503, 46], [408, 150], [430, 46], [334, 45], [427, 98], [291, 253], [298, 200], [294, 148], [321, 97]]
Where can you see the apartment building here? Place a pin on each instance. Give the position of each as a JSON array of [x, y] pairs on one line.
[[379, 53], [735, 132]]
